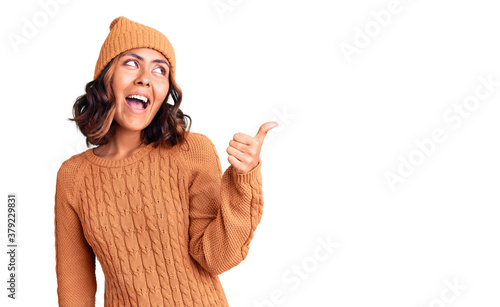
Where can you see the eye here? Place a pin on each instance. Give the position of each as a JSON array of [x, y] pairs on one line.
[[161, 70], [134, 63]]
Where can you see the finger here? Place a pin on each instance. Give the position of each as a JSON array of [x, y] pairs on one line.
[[235, 162], [264, 128], [236, 153], [243, 139], [240, 146]]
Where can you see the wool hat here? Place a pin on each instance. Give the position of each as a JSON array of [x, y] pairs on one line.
[[124, 35]]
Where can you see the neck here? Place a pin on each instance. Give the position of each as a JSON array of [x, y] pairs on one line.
[[123, 144]]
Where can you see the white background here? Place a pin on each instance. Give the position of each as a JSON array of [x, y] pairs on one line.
[[342, 125]]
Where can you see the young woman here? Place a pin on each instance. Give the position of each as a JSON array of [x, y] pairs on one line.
[[150, 202]]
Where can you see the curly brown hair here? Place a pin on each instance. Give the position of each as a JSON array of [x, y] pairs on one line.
[[94, 112]]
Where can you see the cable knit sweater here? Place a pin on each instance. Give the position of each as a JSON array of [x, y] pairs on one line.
[[163, 223]]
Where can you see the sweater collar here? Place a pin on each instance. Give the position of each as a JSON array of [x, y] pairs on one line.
[[93, 158]]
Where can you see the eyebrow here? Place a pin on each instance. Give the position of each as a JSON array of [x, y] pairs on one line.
[[142, 59]]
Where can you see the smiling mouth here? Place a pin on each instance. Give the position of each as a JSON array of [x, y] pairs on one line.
[[137, 102]]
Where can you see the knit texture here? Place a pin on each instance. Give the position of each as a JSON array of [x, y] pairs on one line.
[[124, 35], [163, 223]]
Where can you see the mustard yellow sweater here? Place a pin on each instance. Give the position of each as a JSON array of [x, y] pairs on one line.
[[163, 223]]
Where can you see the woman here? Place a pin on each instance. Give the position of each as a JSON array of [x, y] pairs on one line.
[[150, 202]]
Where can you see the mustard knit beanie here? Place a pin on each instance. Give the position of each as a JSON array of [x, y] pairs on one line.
[[124, 35]]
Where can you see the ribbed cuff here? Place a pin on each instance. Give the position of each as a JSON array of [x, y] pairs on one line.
[[248, 176]]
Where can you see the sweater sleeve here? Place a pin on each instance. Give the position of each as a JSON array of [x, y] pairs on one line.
[[224, 209], [75, 259]]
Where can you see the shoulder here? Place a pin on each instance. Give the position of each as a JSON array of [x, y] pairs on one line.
[[69, 171], [197, 144], [198, 151], [199, 139]]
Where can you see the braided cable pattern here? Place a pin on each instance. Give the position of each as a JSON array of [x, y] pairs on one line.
[[140, 215]]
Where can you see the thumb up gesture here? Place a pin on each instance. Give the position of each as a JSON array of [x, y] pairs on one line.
[[244, 150]]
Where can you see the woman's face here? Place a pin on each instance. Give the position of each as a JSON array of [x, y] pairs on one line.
[[140, 79]]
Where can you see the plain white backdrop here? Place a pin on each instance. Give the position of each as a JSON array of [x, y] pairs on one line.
[[380, 182]]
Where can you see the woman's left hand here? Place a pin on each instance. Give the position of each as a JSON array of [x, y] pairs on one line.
[[244, 150]]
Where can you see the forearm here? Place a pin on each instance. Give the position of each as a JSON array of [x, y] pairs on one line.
[[224, 241]]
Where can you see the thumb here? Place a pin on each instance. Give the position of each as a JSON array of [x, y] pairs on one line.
[[264, 128]]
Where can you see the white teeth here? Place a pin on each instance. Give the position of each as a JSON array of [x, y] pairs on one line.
[[144, 99]]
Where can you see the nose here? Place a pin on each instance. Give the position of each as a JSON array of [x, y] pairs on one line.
[[143, 78]]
